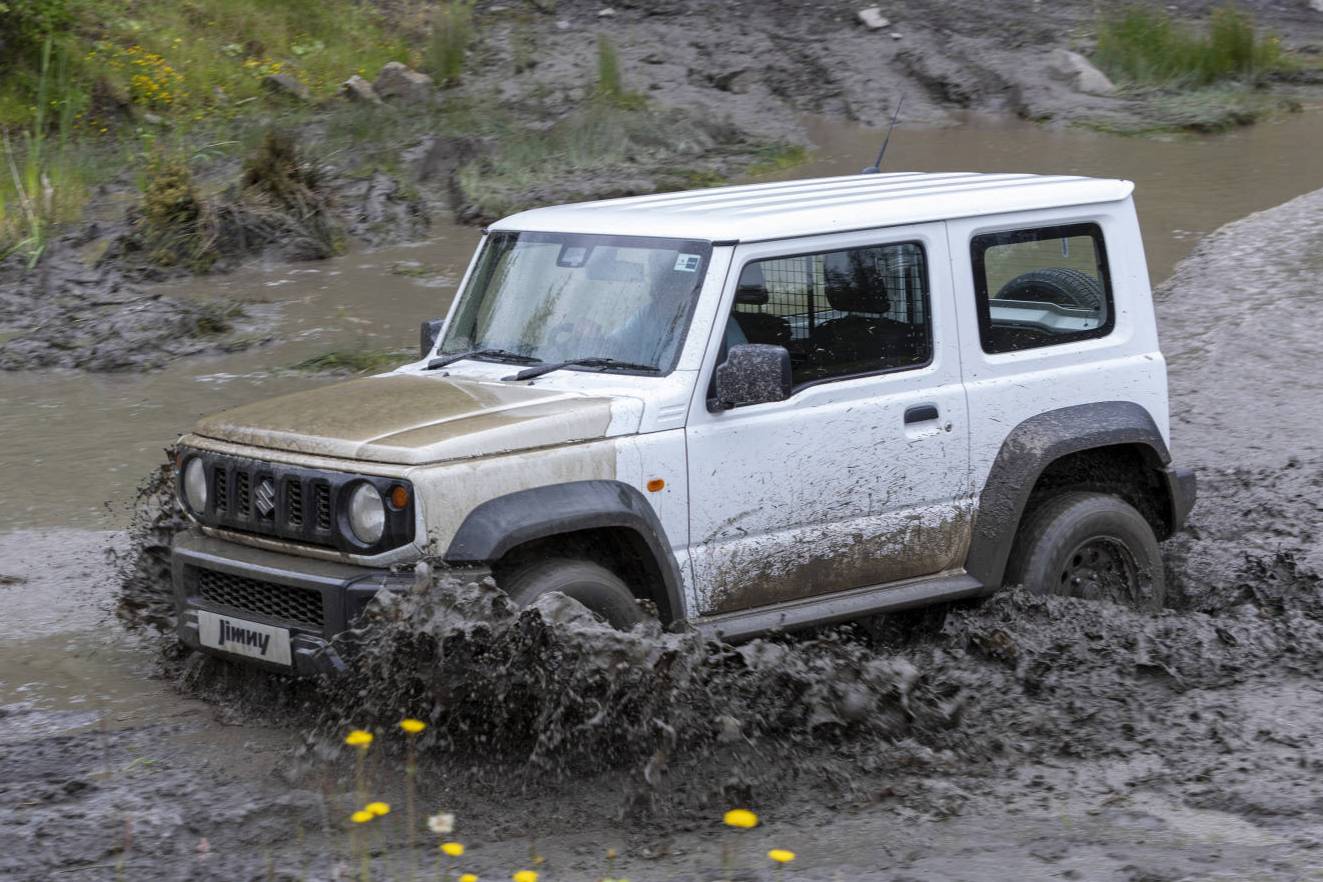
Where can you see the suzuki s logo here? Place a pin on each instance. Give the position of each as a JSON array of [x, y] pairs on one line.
[[266, 498]]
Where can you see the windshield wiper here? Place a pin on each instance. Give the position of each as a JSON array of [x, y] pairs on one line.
[[596, 361], [443, 360]]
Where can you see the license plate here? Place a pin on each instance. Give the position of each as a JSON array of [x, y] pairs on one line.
[[244, 638]]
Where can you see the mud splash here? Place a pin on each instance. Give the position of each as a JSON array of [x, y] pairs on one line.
[[145, 599], [1018, 678]]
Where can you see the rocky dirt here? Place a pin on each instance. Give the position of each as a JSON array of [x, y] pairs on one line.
[[762, 64], [1023, 737], [724, 84]]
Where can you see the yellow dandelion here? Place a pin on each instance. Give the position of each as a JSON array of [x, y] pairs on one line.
[[781, 855], [468, 877], [362, 816], [412, 726], [377, 808], [741, 818], [359, 738], [525, 876], [453, 849]]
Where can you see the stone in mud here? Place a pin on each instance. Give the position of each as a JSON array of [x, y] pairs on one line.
[[1079, 72], [737, 82], [359, 90], [286, 86], [397, 82], [872, 18]]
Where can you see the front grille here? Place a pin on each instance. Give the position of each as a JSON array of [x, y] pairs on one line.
[[323, 497], [294, 503], [222, 489], [302, 606]]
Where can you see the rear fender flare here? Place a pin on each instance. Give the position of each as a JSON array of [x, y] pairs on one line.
[[1030, 448]]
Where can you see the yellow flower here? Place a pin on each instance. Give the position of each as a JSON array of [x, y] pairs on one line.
[[468, 877], [525, 876], [359, 738], [454, 849], [377, 808], [742, 818], [412, 726], [781, 856], [362, 816]]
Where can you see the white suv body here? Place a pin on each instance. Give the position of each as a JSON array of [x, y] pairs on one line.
[[969, 377]]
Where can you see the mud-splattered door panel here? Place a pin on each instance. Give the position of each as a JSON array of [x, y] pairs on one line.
[[861, 476]]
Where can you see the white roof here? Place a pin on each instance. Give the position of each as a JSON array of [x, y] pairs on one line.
[[785, 209]]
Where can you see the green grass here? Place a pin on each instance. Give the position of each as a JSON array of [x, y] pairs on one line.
[[356, 361], [777, 157], [1144, 45], [189, 61], [610, 85], [41, 184], [452, 34]]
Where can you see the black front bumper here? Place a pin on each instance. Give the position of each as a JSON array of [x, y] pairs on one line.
[[314, 599]]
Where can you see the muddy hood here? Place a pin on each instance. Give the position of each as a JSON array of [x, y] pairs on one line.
[[410, 419]]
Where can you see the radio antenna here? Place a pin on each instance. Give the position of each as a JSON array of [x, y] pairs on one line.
[[877, 166]]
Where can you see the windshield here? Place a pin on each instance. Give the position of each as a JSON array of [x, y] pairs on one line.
[[558, 296]]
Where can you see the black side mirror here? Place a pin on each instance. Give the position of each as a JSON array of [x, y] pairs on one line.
[[753, 373], [427, 336]]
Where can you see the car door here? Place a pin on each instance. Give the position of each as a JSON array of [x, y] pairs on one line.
[[861, 476]]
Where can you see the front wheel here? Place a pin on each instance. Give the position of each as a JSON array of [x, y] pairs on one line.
[[1089, 545], [593, 585]]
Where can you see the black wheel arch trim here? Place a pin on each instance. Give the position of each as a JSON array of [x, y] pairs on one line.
[[498, 525], [1039, 441]]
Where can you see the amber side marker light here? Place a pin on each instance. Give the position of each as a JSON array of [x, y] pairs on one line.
[[655, 485], [399, 496]]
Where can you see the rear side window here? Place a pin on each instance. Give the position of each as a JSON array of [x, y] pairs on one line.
[[1042, 287], [839, 313]]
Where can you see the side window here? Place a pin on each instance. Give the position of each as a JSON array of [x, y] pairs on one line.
[[1041, 287], [839, 313]]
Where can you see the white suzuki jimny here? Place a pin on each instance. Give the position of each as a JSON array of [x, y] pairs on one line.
[[743, 408]]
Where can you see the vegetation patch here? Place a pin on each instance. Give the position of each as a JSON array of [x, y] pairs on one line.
[[452, 35], [1145, 45], [190, 61], [1201, 111], [278, 201]]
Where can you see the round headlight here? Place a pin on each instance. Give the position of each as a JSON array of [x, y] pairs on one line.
[[195, 485], [367, 514]]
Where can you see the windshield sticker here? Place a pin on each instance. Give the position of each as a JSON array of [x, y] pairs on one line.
[[687, 263], [572, 256]]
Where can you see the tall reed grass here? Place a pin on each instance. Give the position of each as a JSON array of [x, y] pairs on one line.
[[452, 32], [40, 182], [1145, 45]]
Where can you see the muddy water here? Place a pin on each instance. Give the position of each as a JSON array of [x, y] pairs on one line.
[[74, 441]]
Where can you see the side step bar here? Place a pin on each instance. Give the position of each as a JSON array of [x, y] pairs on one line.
[[829, 609]]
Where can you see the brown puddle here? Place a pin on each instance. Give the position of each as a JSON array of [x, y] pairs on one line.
[[75, 441]]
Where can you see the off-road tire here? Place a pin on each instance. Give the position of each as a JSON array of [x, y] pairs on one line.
[[593, 585], [1090, 545], [1059, 284]]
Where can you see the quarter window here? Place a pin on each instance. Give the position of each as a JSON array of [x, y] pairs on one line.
[[839, 313], [1041, 287]]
